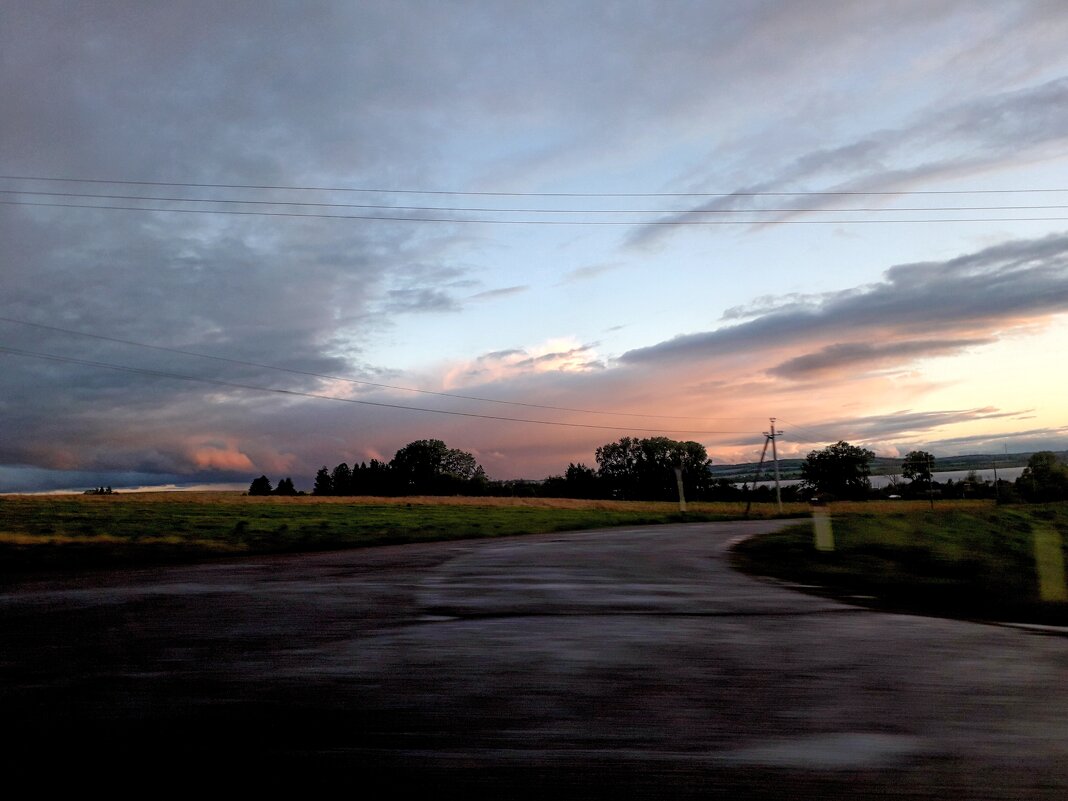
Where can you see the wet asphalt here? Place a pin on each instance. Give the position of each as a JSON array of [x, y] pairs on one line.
[[625, 663]]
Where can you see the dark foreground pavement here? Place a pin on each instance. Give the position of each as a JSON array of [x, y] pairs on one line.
[[619, 663]]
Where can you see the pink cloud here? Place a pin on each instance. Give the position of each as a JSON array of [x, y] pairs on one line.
[[209, 458]]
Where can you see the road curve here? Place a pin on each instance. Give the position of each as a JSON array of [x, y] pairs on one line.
[[616, 663]]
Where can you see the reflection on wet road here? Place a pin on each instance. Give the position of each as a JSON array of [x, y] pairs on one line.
[[628, 662]]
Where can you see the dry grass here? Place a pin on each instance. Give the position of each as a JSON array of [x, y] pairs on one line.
[[903, 506], [732, 509], [64, 530], [964, 558]]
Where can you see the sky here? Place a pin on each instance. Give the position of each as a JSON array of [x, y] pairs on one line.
[[526, 229]]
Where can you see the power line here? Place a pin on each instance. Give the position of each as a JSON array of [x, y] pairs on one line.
[[326, 377], [379, 190], [499, 210], [482, 221], [317, 396], [816, 438]]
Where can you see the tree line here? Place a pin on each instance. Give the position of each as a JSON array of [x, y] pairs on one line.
[[842, 471], [423, 467], [652, 469], [630, 469]]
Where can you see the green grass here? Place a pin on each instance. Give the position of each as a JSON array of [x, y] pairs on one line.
[[964, 559], [967, 560], [91, 531]]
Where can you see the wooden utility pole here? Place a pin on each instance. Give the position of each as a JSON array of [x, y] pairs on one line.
[[930, 481], [682, 491], [756, 478], [775, 458]]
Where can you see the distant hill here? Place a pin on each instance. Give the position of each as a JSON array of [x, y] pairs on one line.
[[881, 466]]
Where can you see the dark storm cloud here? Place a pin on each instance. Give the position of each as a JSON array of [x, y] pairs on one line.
[[1003, 285], [589, 271], [231, 93], [402, 95], [272, 90], [403, 301], [866, 355], [900, 424], [34, 479], [964, 139], [503, 292], [501, 354], [227, 297], [916, 430], [905, 424], [1035, 439], [557, 356], [769, 303]]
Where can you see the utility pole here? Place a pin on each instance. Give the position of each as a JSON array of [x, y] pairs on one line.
[[775, 458], [930, 481], [756, 478]]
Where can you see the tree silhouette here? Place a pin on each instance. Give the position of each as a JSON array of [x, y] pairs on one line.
[[260, 486], [341, 479], [1044, 479], [324, 485], [840, 470], [645, 468], [429, 467], [917, 467]]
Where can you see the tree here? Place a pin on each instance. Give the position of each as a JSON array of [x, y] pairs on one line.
[[1044, 479], [429, 466], [459, 464], [285, 487], [840, 470], [418, 463], [341, 479], [376, 479], [645, 468], [617, 466], [917, 467], [578, 481], [324, 485], [581, 481], [260, 486]]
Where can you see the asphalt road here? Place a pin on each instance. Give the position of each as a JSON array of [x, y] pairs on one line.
[[617, 663]]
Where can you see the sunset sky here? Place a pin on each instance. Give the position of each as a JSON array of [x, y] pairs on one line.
[[608, 217]]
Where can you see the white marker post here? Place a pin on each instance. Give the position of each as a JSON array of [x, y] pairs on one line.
[[1049, 562], [682, 493], [821, 525]]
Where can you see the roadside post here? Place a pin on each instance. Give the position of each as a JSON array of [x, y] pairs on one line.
[[1049, 564], [821, 525], [682, 493]]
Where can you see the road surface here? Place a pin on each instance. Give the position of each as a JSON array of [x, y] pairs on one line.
[[617, 663]]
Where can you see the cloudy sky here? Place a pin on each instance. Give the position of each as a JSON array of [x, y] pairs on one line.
[[609, 218]]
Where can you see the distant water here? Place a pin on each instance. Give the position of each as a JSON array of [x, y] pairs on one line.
[[878, 482], [1004, 473]]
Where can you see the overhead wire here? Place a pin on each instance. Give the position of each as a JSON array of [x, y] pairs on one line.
[[484, 221], [507, 210], [454, 213], [813, 433], [458, 209], [380, 190], [318, 396], [355, 381]]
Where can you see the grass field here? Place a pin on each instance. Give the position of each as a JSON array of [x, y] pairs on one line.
[[962, 559], [90, 530], [968, 559]]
